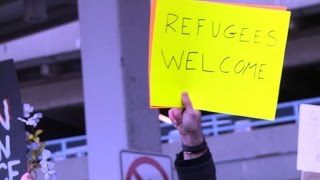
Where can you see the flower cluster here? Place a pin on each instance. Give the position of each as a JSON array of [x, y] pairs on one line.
[[38, 156], [28, 119], [47, 167]]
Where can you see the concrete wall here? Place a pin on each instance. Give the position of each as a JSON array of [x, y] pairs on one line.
[[263, 154], [49, 95], [299, 51]]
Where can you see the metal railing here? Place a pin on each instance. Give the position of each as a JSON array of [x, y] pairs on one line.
[[68, 147], [215, 124], [221, 123]]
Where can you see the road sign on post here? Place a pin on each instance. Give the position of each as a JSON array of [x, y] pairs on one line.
[[143, 165]]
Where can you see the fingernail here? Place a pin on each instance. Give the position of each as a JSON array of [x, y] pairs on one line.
[[184, 93]]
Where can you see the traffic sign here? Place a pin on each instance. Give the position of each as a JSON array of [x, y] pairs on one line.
[[137, 165]]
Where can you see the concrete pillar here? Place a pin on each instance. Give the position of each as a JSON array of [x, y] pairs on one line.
[[114, 45], [142, 122]]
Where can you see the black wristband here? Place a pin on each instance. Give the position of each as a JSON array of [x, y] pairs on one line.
[[195, 149]]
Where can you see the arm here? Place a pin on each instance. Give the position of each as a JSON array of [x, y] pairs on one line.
[[196, 165], [27, 176]]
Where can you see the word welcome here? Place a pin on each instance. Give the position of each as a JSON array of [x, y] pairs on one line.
[[6, 165], [195, 61]]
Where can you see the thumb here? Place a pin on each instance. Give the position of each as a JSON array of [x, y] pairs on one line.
[[186, 101]]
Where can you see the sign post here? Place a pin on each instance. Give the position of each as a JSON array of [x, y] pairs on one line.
[[13, 162]]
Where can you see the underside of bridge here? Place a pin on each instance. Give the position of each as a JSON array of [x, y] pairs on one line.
[[53, 84]]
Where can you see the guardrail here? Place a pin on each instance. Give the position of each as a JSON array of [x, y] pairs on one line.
[[215, 125], [68, 147]]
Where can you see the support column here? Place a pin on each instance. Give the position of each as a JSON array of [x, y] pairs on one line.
[[114, 48], [143, 123]]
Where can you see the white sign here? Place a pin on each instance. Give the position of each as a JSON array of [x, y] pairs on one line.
[[141, 165], [309, 138]]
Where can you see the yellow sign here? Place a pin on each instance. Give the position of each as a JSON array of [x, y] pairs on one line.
[[228, 58]]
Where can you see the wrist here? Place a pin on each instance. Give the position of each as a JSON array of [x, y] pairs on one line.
[[196, 150], [188, 156], [192, 139]]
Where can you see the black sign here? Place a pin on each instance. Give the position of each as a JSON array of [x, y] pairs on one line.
[[13, 159]]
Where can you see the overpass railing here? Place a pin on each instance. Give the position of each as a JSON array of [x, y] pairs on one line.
[[212, 125]]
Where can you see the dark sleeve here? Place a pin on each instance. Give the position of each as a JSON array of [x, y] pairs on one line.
[[199, 168]]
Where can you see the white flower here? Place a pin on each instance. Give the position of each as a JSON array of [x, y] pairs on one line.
[[27, 110], [32, 121], [47, 167], [46, 154], [28, 119], [49, 174]]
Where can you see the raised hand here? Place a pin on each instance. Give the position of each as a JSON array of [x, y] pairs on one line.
[[188, 122]]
